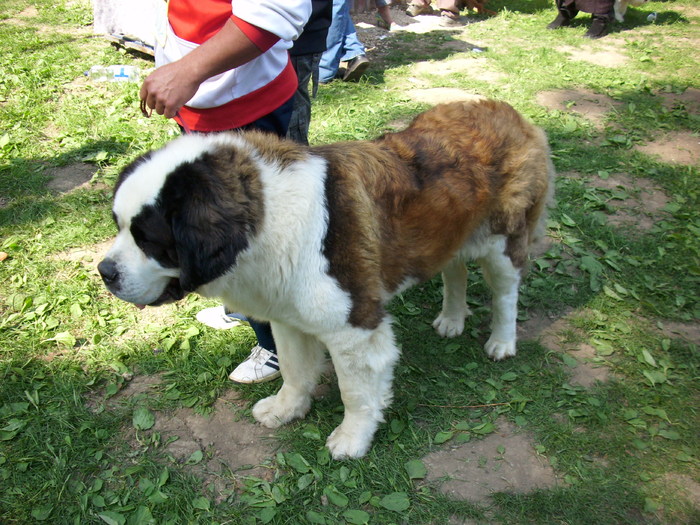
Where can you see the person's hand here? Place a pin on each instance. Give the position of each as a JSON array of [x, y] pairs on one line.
[[167, 89]]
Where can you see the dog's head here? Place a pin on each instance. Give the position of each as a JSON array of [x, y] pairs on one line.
[[184, 213]]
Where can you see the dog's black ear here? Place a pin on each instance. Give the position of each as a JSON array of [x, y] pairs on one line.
[[214, 210]]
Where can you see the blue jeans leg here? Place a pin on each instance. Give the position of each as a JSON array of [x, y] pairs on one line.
[[342, 42], [352, 46]]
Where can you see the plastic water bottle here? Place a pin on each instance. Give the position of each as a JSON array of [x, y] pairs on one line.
[[114, 73]]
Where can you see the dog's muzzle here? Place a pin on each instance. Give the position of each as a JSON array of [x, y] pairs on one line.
[[109, 271]]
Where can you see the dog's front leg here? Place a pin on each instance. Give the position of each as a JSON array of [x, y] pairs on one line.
[[450, 322], [301, 359], [364, 363], [503, 278]]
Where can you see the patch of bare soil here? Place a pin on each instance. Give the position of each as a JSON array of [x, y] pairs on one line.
[[584, 369], [367, 26], [590, 105], [229, 439], [65, 179], [376, 40], [232, 446], [474, 67], [609, 55], [136, 388], [88, 255], [504, 461], [689, 332], [639, 202], [633, 202], [26, 18], [677, 147], [689, 99], [685, 487]]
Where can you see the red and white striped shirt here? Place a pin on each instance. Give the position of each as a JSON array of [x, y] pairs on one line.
[[244, 94]]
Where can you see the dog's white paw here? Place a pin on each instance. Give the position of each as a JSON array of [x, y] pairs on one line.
[[498, 349], [348, 443], [450, 326], [272, 412]]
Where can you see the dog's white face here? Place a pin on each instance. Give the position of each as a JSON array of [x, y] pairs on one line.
[[168, 243], [134, 269]]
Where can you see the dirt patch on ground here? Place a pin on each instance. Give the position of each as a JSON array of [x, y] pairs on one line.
[[221, 448], [505, 461], [27, 18], [590, 105], [689, 99], [90, 256], [473, 67], [685, 487], [580, 358], [631, 202], [607, 56], [87, 255], [677, 147], [65, 179], [376, 39], [686, 331], [366, 23], [228, 438], [636, 202]]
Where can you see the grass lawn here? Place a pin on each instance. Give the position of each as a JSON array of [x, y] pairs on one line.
[[113, 415]]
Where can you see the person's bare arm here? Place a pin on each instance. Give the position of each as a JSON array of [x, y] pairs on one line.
[[170, 86]]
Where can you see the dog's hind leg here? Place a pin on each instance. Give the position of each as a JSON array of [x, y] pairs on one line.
[[503, 278], [450, 322], [301, 358], [364, 363]]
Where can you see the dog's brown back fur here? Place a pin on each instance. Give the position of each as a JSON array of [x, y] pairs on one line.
[[459, 166]]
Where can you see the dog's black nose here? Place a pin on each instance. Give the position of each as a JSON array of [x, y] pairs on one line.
[[108, 271]]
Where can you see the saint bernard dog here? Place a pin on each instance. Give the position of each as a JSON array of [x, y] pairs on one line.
[[317, 240]]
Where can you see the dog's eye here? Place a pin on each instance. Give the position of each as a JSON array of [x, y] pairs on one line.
[[155, 246], [153, 236]]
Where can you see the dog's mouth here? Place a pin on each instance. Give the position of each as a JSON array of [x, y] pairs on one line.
[[173, 292]]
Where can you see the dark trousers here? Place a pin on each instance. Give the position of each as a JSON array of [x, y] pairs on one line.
[[306, 67], [594, 7]]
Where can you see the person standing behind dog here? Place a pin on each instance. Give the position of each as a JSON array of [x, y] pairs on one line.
[[343, 45], [601, 15], [224, 65]]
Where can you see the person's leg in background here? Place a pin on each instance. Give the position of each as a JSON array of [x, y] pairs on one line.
[[342, 45], [335, 41], [307, 68], [354, 54]]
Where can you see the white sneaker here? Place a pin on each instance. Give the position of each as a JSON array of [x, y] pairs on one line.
[[217, 317], [260, 366]]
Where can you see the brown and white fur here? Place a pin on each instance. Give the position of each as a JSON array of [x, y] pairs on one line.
[[620, 7], [317, 241]]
